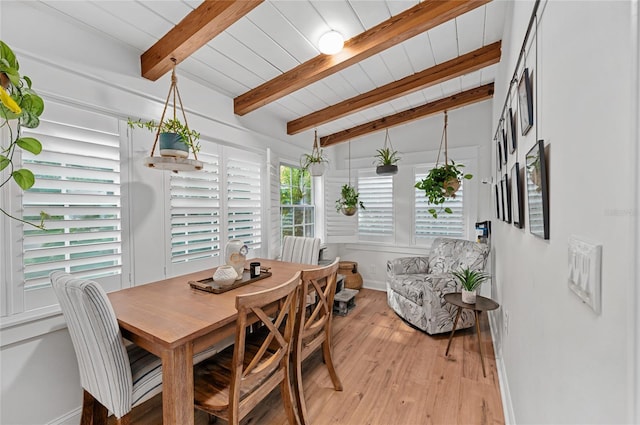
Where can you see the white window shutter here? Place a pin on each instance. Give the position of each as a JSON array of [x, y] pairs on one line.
[[340, 228], [376, 220], [449, 225]]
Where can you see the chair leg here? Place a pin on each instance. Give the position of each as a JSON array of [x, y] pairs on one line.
[[93, 412], [287, 397], [298, 392], [125, 420], [328, 359]]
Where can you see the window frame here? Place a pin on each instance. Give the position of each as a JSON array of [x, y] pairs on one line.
[[312, 205]]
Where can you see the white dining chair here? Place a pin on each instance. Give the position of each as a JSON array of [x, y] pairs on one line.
[[298, 249]]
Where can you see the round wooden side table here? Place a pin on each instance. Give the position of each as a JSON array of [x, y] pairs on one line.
[[481, 304]]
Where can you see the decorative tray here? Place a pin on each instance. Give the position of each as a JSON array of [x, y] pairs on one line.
[[210, 285]]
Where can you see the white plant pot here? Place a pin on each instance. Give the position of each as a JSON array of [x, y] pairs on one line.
[[316, 169], [468, 297]]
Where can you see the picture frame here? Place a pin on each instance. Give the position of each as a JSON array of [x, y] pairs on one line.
[[505, 145], [525, 102], [517, 212], [498, 156], [497, 200], [506, 216], [513, 131], [538, 190]]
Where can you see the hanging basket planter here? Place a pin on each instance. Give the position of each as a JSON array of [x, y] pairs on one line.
[[315, 161], [349, 197], [386, 158], [349, 211], [443, 181], [316, 169]]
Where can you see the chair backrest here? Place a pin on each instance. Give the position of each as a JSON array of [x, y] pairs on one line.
[[254, 363], [298, 249], [105, 371], [454, 254], [315, 326]]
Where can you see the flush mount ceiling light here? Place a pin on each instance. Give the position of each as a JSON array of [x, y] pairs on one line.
[[331, 42]]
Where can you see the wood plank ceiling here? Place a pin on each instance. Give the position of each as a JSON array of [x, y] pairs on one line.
[[403, 60]]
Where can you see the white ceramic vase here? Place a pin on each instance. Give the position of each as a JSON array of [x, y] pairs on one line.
[[236, 256], [225, 275], [468, 297]]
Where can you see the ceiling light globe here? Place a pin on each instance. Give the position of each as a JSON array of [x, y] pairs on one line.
[[331, 42]]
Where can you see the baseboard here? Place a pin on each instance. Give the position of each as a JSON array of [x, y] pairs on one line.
[[70, 418], [375, 284], [507, 405]]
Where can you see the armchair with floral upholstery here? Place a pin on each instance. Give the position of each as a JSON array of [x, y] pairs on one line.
[[416, 285]]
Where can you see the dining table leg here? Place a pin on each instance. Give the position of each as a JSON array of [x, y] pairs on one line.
[[177, 386]]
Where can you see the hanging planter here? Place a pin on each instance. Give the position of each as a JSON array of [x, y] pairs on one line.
[[173, 137], [349, 197], [314, 162], [386, 158], [442, 182]]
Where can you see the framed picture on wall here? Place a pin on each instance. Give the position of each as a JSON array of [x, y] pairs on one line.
[[498, 155], [507, 199], [517, 212], [512, 131], [538, 191], [505, 144], [497, 198], [525, 102]]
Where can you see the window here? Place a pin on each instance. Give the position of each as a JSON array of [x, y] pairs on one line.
[[375, 221], [244, 199], [78, 185], [195, 212], [297, 214], [451, 225]]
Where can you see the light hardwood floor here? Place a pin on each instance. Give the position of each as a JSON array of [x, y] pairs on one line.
[[392, 374]]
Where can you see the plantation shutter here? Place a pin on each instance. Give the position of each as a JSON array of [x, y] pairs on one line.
[[340, 228], [195, 212], [450, 225], [78, 185], [375, 222], [244, 199]]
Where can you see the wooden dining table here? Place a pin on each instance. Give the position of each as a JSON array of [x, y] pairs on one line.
[[174, 321]]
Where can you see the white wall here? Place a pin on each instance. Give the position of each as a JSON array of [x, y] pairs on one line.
[[562, 362], [469, 139]]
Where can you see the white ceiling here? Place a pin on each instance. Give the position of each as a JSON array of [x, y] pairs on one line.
[[278, 35]]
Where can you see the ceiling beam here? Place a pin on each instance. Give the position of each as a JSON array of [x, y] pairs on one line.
[[199, 27], [457, 67], [416, 20], [459, 100]]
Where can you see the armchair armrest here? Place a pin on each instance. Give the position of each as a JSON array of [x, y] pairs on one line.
[[407, 265]]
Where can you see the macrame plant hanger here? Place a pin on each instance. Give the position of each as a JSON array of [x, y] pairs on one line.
[[167, 162], [444, 139], [387, 169]]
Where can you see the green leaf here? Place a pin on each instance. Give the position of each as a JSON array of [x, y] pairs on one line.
[[468, 176], [7, 54], [4, 162], [30, 144], [24, 178], [448, 210]]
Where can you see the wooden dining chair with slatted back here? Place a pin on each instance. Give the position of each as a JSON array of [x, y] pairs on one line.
[[314, 328], [231, 383]]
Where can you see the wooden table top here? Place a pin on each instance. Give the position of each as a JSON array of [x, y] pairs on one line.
[[169, 312], [482, 303]]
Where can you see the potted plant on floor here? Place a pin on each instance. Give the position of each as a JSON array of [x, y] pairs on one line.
[[441, 183], [470, 281], [348, 203], [176, 139], [314, 162], [20, 106]]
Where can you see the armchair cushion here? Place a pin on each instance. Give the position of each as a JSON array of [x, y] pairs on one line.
[[416, 285]]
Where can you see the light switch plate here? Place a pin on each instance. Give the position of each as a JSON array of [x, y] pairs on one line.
[[585, 276]]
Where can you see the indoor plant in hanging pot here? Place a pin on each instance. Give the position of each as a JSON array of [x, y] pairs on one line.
[[470, 281], [386, 160], [314, 162], [442, 182], [176, 139], [348, 202]]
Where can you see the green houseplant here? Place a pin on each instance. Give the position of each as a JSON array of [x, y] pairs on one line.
[[314, 162], [20, 106], [348, 202], [176, 139], [386, 159], [470, 281], [441, 183]]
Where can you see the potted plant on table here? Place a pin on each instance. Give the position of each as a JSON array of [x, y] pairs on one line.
[[348, 203], [441, 183], [20, 106], [470, 281], [386, 160], [176, 139]]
